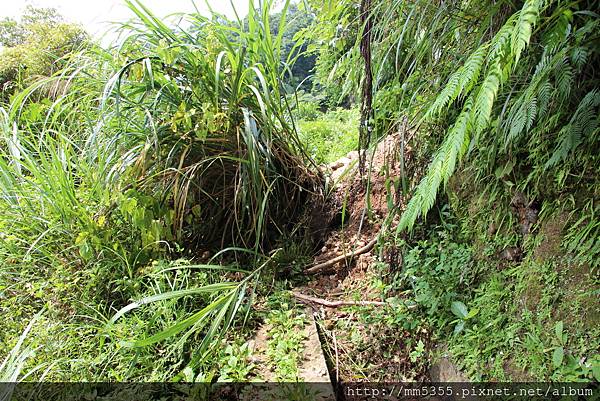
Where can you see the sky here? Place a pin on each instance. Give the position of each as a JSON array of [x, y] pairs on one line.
[[95, 15]]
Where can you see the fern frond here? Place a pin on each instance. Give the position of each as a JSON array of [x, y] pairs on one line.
[[441, 168], [484, 101], [503, 53], [460, 83], [522, 33], [445, 97], [579, 56], [500, 44], [471, 71], [564, 78], [516, 121], [543, 95], [583, 124], [531, 113]]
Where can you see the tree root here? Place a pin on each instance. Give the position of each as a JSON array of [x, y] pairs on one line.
[[333, 304], [322, 266]]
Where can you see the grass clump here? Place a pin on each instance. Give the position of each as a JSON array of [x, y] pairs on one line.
[[174, 143]]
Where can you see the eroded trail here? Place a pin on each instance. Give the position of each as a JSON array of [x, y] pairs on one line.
[[349, 332], [345, 294]]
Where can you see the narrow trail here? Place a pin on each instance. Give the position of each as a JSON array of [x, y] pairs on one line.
[[338, 269], [340, 346], [343, 270]]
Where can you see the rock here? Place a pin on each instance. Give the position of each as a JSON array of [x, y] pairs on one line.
[[492, 229], [445, 371], [512, 254], [345, 160], [313, 368], [336, 165]]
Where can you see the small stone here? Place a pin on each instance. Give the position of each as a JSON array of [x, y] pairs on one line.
[[511, 254], [352, 155], [336, 165], [345, 161]]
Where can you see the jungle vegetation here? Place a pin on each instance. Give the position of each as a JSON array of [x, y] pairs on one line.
[[153, 194]]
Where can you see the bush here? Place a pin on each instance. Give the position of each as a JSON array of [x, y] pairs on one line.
[[331, 137]]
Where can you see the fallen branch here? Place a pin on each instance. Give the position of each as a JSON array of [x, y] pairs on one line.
[[322, 266], [333, 304]]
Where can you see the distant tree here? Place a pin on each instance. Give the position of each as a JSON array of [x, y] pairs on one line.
[[11, 33], [297, 20], [34, 46]]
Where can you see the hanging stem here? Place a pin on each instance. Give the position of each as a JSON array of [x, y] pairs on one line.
[[366, 110]]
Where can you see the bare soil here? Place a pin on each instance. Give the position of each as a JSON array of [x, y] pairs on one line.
[[357, 350]]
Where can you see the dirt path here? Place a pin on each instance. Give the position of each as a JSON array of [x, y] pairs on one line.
[[345, 342], [354, 349]]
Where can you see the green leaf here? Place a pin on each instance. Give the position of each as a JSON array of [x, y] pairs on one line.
[[472, 313], [459, 327], [596, 372], [184, 324], [173, 294], [558, 330], [459, 309], [557, 356]]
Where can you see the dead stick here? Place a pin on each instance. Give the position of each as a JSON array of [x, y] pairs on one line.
[[322, 266], [337, 359], [334, 304]]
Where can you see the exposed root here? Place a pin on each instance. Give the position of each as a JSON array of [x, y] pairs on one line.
[[333, 304], [331, 262]]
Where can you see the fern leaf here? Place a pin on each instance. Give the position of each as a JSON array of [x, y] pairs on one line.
[[531, 113], [544, 94], [459, 83], [564, 79], [516, 120], [527, 18], [501, 41], [471, 70], [579, 56], [440, 170], [583, 124], [484, 101], [445, 97], [503, 53]]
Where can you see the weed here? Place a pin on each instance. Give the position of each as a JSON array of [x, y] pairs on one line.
[[285, 341]]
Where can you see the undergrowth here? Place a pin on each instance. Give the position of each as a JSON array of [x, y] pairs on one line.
[[328, 136], [500, 319], [174, 143], [151, 192]]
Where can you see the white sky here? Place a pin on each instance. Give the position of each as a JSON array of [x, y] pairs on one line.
[[95, 15]]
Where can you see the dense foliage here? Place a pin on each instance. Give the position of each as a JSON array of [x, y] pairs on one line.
[[504, 99], [152, 192], [175, 143], [37, 45]]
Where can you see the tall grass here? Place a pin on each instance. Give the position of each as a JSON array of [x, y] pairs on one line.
[[177, 140], [210, 132]]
